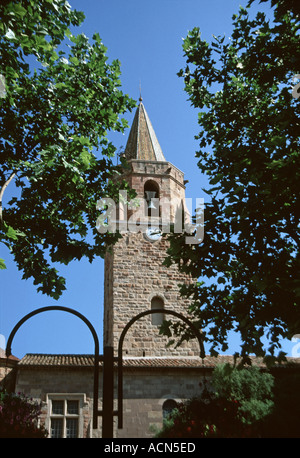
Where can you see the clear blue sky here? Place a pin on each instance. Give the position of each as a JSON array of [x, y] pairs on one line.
[[146, 36]]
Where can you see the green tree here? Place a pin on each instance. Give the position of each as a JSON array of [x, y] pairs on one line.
[[252, 388], [248, 264], [236, 402], [59, 100]]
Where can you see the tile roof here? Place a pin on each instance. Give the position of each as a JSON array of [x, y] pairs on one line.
[[142, 142], [57, 360], [42, 360]]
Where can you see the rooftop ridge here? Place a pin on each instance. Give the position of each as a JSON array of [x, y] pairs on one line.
[[71, 360]]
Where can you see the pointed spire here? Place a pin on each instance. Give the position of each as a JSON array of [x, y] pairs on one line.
[[142, 142]]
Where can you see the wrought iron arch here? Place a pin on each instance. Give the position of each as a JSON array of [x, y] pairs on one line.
[[120, 351], [96, 342]]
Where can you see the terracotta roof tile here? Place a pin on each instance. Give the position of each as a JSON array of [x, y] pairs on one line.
[[33, 359], [38, 360]]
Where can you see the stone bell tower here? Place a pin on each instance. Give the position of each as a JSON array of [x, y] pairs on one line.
[[135, 278]]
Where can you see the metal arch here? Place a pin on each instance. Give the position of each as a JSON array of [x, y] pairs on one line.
[[120, 351], [96, 341], [107, 412]]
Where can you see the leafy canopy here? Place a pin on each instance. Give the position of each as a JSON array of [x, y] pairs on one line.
[[60, 99], [250, 386], [248, 264], [235, 402]]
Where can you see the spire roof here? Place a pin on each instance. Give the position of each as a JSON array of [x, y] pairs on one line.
[[142, 142]]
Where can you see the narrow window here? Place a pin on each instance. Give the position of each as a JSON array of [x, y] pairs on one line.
[[157, 318]]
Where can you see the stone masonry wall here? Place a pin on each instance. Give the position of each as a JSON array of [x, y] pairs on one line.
[[144, 395], [138, 276], [144, 392], [38, 384], [134, 273]]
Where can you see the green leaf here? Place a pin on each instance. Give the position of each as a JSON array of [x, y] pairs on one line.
[[165, 328], [86, 158], [84, 141], [19, 10], [11, 233], [2, 264], [74, 60]]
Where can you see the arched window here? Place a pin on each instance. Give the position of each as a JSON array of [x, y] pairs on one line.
[[151, 194], [168, 406], [157, 318]]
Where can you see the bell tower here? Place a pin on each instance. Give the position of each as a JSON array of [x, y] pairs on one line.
[[135, 278]]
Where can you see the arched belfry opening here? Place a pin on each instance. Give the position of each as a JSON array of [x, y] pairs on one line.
[[151, 195]]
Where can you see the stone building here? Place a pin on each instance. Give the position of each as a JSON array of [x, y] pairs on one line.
[[152, 386], [155, 378]]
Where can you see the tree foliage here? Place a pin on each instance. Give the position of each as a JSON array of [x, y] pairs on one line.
[[60, 98], [249, 108], [252, 388], [240, 401], [19, 417], [205, 417], [235, 403]]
